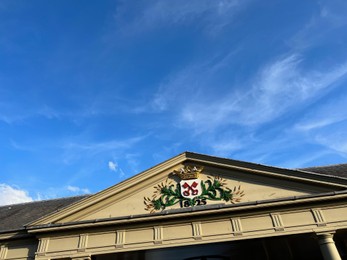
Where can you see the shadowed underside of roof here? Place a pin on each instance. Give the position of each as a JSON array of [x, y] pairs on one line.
[[14, 217]]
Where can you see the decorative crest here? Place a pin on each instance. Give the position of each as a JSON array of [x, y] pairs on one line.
[[188, 172], [191, 191]]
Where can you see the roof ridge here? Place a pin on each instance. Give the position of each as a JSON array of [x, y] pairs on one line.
[[273, 167]]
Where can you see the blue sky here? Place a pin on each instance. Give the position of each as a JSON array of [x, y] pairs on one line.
[[93, 92]]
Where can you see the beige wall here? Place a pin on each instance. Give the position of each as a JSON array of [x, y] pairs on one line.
[[190, 231], [18, 249]]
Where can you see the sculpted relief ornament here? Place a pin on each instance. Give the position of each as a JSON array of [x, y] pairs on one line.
[[191, 191]]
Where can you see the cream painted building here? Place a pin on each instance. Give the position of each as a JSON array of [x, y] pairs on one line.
[[190, 207]]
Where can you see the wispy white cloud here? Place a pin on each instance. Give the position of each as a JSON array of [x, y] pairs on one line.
[[192, 83], [224, 147], [133, 161], [20, 147], [81, 106], [334, 11], [112, 166], [17, 112], [10, 114], [74, 150], [306, 160], [48, 112], [78, 190], [170, 91], [317, 123], [336, 141], [225, 122], [121, 172], [283, 85], [330, 17], [332, 112], [12, 195], [211, 15], [280, 87], [326, 124], [104, 146], [60, 191]]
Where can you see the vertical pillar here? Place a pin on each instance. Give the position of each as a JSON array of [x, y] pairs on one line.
[[327, 246], [3, 251]]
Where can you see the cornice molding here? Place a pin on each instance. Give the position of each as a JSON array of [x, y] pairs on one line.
[[15, 235], [240, 208]]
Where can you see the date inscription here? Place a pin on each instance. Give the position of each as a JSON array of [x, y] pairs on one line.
[[190, 203]]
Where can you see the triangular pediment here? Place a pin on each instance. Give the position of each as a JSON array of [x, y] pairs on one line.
[[194, 180]]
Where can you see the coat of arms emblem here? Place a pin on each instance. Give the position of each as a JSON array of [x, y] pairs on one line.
[[190, 183], [191, 191]]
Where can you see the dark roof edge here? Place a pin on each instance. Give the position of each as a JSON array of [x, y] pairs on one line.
[[324, 166], [63, 207], [308, 174], [21, 230]]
